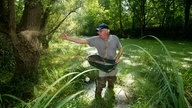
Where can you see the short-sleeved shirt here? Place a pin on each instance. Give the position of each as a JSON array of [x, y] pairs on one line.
[[106, 48]]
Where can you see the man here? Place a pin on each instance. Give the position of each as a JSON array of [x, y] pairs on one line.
[[106, 45]]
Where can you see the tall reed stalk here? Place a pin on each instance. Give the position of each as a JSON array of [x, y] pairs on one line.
[[172, 87], [45, 99]]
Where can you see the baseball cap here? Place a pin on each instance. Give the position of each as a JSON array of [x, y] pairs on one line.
[[102, 26]]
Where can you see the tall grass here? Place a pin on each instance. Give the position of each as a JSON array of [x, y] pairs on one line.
[[61, 74], [61, 66], [49, 99], [187, 75], [46, 100], [166, 77]]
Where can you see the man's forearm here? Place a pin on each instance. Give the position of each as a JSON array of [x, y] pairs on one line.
[[77, 40]]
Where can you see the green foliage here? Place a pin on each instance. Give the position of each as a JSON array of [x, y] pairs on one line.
[[46, 98], [19, 9], [6, 61], [59, 11], [157, 78], [128, 16], [46, 101], [187, 78], [56, 67], [166, 78], [91, 15], [122, 15], [104, 3]]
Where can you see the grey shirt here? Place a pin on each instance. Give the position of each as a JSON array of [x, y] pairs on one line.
[[106, 48]]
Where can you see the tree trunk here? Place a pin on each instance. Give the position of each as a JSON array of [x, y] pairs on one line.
[[187, 14], [27, 55], [120, 17], [142, 17], [4, 17], [26, 47]]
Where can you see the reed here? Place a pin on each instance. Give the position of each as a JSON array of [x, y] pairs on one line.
[[167, 79], [46, 100]]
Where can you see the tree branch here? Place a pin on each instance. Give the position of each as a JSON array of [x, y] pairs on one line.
[[56, 27], [12, 21]]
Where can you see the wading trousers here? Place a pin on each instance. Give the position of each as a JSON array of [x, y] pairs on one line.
[[101, 83]]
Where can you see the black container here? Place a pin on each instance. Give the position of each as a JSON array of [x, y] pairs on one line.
[[106, 65]]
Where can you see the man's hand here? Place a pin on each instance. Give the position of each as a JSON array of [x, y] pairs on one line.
[[64, 36], [119, 55], [76, 40], [117, 60]]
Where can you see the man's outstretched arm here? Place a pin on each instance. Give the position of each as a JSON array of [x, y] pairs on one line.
[[76, 40]]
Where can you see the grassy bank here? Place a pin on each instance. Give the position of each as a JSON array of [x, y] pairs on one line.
[[161, 74]]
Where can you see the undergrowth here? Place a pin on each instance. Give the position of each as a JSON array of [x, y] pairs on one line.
[[159, 82]]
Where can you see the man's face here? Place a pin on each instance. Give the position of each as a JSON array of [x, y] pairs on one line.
[[103, 33]]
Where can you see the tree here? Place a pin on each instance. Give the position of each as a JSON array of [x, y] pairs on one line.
[[25, 43], [138, 8], [120, 9], [187, 28], [25, 26], [142, 17], [187, 12]]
